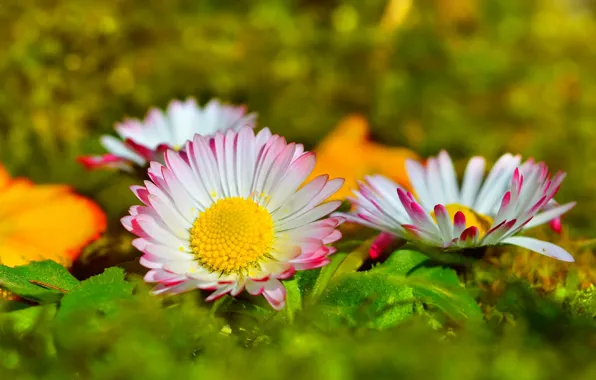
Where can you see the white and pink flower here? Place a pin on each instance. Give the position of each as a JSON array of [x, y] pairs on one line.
[[233, 213], [143, 141], [482, 212]]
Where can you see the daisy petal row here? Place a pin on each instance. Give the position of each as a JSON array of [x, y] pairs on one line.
[[140, 142]]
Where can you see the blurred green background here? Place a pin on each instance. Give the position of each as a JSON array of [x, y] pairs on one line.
[[472, 76]]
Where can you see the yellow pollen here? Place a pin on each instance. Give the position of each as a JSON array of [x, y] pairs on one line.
[[473, 218], [232, 235]]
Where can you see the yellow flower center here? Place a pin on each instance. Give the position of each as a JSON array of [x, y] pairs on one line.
[[473, 218], [232, 235]]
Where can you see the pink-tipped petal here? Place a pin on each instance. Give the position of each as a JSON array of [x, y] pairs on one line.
[[383, 241], [275, 293], [459, 223], [552, 216], [444, 222], [556, 225], [470, 233], [222, 291], [140, 149], [107, 161]]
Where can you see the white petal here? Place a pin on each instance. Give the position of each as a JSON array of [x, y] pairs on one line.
[[219, 141], [230, 162], [449, 177], [204, 166], [275, 293], [444, 222], [542, 247], [278, 168], [222, 291], [292, 210], [170, 216], [495, 185], [265, 161], [182, 171], [417, 175], [435, 185], [158, 234], [185, 204], [295, 175], [314, 214], [472, 181], [117, 147], [246, 157], [549, 215]]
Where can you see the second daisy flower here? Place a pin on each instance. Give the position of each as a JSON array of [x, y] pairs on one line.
[[482, 212]]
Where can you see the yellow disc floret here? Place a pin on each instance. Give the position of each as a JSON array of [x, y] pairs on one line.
[[482, 222], [232, 235]]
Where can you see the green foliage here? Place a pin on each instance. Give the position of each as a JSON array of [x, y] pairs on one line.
[[96, 293], [42, 282], [388, 293], [146, 340], [101, 329], [49, 282], [584, 302]]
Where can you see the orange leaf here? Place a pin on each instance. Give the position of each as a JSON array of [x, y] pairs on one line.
[[44, 222], [348, 153]]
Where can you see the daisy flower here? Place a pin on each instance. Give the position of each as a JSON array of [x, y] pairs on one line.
[[233, 213], [144, 141], [44, 222], [481, 212]]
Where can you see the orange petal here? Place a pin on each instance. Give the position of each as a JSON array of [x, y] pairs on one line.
[[4, 177], [45, 222], [347, 153]]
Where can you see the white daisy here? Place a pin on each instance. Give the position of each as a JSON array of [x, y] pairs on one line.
[[232, 213], [481, 212], [142, 141]]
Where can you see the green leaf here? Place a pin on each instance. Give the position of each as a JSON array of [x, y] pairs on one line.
[[434, 284], [370, 299], [101, 293], [293, 299], [42, 281], [354, 260], [326, 274], [312, 283], [307, 280], [387, 294]]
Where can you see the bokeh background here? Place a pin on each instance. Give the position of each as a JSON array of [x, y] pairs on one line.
[[471, 76], [475, 77]]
